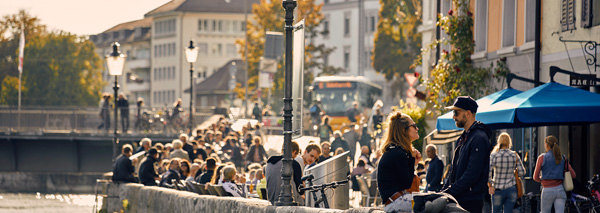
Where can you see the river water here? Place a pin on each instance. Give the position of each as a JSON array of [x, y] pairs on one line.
[[40, 202]]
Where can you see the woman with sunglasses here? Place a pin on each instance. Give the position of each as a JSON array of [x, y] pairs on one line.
[[397, 165]]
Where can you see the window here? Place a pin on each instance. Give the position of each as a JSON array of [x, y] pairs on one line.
[[446, 6], [214, 26], [567, 15], [202, 49], [373, 24], [508, 23], [326, 60], [234, 26], [481, 25], [368, 54], [155, 74], [347, 24], [590, 13], [346, 57], [326, 27], [231, 49], [174, 75], [243, 26], [203, 25], [529, 21]]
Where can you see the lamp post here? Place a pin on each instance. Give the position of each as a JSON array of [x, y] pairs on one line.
[[115, 62], [285, 198], [191, 55]]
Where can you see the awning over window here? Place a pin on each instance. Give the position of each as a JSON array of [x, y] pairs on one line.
[[442, 136]]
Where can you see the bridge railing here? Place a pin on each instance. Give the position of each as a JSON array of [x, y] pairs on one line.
[[39, 120]]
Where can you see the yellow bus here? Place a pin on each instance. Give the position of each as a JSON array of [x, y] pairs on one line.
[[338, 93]]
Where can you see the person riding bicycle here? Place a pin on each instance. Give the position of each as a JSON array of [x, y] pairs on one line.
[[177, 109]]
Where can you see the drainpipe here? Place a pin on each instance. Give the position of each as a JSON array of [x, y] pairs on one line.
[[538, 42]]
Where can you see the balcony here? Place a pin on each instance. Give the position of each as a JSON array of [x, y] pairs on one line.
[[143, 63]]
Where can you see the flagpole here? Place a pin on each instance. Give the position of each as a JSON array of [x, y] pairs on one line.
[[21, 55]]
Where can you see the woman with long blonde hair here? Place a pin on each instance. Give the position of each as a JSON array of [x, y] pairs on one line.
[[502, 185], [397, 165], [552, 165]]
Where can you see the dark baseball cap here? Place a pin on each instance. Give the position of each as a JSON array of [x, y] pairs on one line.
[[464, 103]]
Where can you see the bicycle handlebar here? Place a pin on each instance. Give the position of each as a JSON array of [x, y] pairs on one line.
[[325, 185]]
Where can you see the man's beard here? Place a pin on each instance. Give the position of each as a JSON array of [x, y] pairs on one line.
[[460, 123]]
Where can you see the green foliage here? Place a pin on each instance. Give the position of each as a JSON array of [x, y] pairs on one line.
[[418, 115], [454, 74], [60, 69], [397, 41]]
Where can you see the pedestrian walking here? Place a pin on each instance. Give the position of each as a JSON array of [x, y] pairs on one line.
[[123, 105], [502, 182], [105, 112], [549, 170]]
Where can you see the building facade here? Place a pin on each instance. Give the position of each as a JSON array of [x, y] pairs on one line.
[[507, 28], [353, 40], [214, 25], [134, 38]]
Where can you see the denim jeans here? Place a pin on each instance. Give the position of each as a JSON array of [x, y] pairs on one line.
[[504, 199], [553, 195]]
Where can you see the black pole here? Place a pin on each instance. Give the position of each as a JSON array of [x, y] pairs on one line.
[[116, 124], [285, 198], [538, 43], [437, 31], [191, 120]]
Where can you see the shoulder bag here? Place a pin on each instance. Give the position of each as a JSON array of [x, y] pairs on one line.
[[568, 181], [520, 188]]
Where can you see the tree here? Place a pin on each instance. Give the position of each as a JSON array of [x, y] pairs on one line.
[[60, 69], [269, 16], [397, 42], [454, 74]]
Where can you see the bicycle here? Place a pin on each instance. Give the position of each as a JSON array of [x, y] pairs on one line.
[[314, 188], [579, 203]]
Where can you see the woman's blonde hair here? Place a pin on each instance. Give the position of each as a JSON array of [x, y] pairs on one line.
[[397, 132], [228, 173], [553, 144], [504, 142]]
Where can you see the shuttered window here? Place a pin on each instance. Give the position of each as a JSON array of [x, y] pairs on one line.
[[567, 20], [586, 13]]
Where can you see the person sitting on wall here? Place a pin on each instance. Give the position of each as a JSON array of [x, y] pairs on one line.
[[123, 169], [147, 173]]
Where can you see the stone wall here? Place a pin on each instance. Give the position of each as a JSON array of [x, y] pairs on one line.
[[138, 198]]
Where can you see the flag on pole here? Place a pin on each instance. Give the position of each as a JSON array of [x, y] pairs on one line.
[[21, 50]]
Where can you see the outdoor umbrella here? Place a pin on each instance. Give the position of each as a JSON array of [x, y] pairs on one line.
[[445, 122], [546, 105]]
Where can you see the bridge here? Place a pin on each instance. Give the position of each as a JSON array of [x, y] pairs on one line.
[[67, 139]]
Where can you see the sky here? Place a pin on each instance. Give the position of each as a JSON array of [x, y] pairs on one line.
[[81, 17]]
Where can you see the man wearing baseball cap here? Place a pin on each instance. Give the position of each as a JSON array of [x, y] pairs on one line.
[[468, 174]]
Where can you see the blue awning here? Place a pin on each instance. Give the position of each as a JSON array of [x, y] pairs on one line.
[[445, 122], [546, 105]]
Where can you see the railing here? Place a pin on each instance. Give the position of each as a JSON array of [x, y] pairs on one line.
[[37, 120]]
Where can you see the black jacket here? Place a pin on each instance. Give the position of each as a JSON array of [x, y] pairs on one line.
[[166, 180], [468, 174], [147, 172], [205, 177], [395, 171], [434, 175], [261, 153], [123, 170]]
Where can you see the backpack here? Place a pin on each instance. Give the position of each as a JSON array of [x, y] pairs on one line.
[[314, 109]]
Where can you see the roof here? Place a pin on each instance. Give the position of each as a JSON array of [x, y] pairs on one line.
[[218, 82], [146, 22], [210, 6]]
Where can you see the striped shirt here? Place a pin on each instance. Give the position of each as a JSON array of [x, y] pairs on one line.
[[502, 166]]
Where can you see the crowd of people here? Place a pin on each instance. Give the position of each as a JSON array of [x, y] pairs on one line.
[[221, 156]]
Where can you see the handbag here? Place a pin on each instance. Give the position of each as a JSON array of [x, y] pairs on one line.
[[568, 181], [414, 187], [520, 187]]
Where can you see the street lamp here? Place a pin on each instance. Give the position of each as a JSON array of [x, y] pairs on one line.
[[285, 198], [115, 62], [191, 55]]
